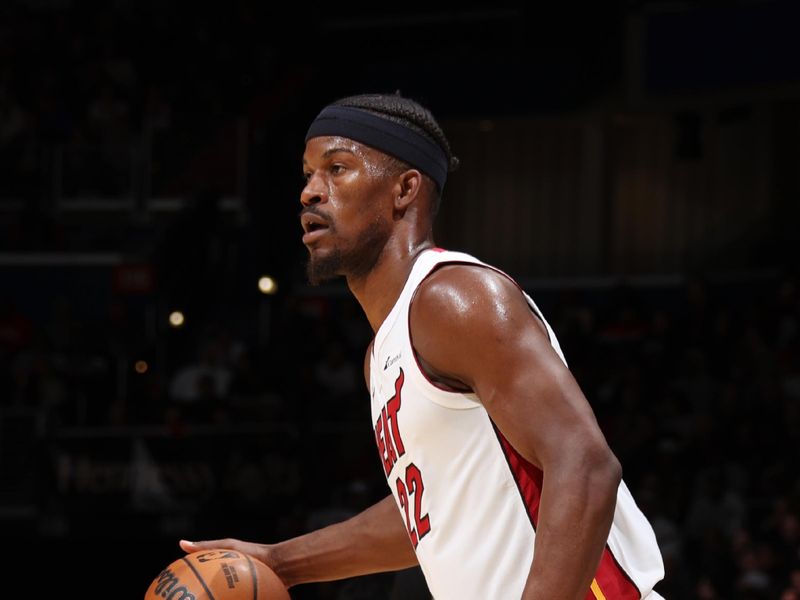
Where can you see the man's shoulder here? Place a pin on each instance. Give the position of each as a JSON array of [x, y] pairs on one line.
[[456, 282], [457, 298]]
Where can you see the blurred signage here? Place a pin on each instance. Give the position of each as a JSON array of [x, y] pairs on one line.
[[145, 474]]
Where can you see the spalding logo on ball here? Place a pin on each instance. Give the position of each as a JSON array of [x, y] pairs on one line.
[[217, 575]]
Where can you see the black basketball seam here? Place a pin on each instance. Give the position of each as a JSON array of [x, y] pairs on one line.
[[253, 575], [200, 579]]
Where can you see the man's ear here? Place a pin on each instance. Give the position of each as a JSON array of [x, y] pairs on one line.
[[407, 189]]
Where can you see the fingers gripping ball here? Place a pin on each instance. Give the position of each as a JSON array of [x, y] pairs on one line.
[[217, 575]]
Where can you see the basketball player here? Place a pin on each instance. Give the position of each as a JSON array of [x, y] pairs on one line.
[[502, 484]]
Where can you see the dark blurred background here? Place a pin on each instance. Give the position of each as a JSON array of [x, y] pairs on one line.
[[165, 371]]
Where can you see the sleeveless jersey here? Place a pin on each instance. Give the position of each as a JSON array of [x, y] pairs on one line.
[[469, 500]]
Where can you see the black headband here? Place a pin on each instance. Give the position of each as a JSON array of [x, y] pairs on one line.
[[387, 136]]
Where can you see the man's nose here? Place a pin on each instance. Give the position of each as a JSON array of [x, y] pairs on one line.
[[313, 192]]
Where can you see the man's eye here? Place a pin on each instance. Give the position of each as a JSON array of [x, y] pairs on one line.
[[306, 176], [337, 169]]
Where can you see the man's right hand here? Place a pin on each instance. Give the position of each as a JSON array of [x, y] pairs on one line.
[[262, 552]]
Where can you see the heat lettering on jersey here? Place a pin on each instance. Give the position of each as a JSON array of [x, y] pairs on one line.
[[387, 428]]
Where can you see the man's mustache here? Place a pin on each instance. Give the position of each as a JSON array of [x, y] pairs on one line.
[[314, 211]]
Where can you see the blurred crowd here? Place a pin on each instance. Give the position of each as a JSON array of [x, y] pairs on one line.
[[698, 395], [97, 73]]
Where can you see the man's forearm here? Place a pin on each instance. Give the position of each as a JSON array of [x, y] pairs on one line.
[[373, 541], [574, 520]]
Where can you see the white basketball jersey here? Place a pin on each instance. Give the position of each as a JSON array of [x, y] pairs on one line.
[[469, 500]]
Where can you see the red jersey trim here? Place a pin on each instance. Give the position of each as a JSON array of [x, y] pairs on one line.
[[529, 478]]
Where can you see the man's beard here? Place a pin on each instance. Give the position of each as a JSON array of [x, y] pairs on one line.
[[355, 262]]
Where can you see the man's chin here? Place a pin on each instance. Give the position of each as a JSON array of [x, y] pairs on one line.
[[320, 269]]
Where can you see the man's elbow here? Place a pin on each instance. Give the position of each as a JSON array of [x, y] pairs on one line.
[[614, 468], [605, 470], [590, 465]]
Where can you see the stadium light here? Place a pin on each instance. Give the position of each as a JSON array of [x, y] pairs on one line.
[[176, 318], [267, 285]]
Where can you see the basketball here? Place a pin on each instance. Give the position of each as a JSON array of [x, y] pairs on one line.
[[217, 575]]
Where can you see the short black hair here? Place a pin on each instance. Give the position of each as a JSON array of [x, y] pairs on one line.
[[409, 113]]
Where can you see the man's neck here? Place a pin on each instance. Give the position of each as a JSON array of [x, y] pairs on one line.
[[378, 290]]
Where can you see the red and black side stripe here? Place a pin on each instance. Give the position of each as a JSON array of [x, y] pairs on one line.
[[611, 581]]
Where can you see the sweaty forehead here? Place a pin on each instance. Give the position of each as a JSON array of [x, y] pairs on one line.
[[322, 147]]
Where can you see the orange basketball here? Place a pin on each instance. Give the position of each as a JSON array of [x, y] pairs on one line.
[[217, 575]]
